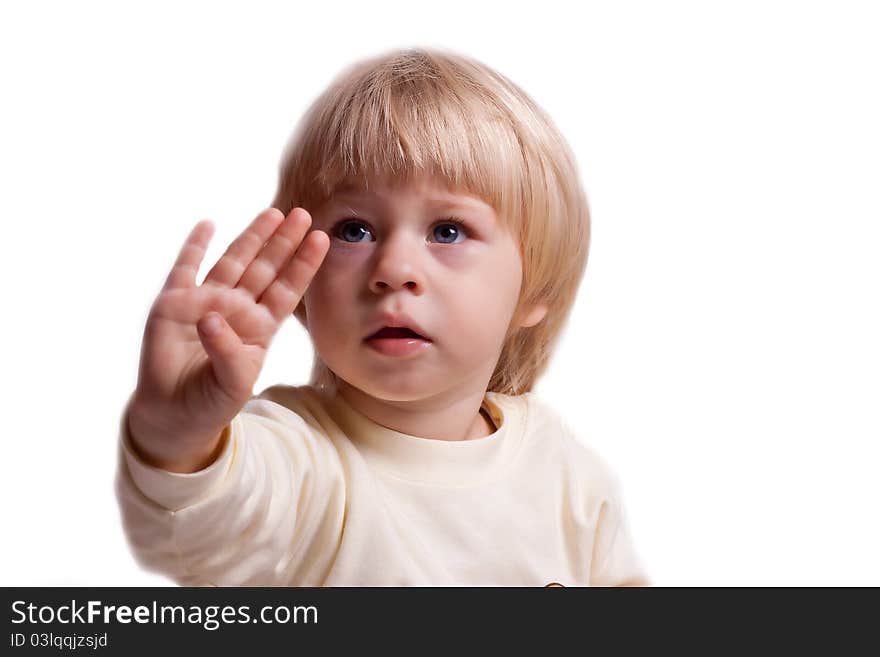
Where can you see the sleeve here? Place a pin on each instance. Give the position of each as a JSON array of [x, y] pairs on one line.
[[614, 560], [268, 512]]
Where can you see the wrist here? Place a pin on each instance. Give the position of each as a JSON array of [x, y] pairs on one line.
[[174, 451]]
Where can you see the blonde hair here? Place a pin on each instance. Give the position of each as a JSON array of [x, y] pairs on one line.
[[414, 112]]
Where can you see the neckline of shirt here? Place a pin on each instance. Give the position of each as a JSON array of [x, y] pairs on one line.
[[433, 461]]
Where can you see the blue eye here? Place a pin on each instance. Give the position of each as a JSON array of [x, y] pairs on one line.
[[350, 231], [448, 231], [353, 229]]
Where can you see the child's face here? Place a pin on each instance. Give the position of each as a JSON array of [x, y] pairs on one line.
[[394, 251]]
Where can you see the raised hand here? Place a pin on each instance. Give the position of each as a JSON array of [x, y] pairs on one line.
[[204, 345]]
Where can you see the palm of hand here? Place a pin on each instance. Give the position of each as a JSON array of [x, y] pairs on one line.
[[190, 377], [179, 361]]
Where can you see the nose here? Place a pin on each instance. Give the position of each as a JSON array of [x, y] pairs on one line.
[[398, 266]]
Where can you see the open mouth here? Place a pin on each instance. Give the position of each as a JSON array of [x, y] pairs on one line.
[[396, 332]]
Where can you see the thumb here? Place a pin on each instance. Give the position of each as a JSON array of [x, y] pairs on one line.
[[228, 359]]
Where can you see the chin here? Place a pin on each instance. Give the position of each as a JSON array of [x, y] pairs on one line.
[[393, 388]]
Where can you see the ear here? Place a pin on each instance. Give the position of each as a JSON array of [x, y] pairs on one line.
[[533, 315]]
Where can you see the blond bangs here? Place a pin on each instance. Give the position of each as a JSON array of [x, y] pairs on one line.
[[407, 118]]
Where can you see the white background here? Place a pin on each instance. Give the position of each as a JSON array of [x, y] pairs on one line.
[[723, 354]]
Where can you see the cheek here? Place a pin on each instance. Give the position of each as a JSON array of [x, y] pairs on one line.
[[461, 258], [340, 268], [483, 310], [341, 254], [500, 275], [336, 279]]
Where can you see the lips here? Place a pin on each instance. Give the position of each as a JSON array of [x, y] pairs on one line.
[[398, 342], [391, 325], [396, 332]]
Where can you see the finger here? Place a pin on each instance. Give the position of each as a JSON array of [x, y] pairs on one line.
[[183, 273], [278, 250], [283, 295], [229, 268], [228, 358]]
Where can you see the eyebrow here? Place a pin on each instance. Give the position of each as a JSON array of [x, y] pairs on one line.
[[357, 193]]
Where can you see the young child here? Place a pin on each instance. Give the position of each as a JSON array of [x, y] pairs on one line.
[[430, 233]]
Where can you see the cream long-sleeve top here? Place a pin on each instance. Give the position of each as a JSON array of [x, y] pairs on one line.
[[309, 492]]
